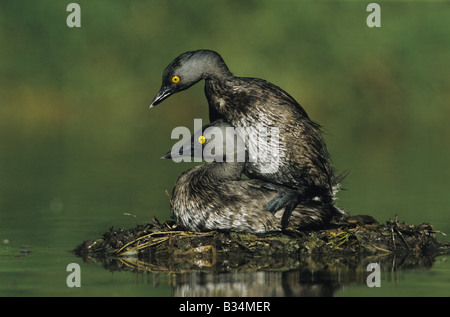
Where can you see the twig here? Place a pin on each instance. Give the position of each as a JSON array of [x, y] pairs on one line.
[[168, 196]]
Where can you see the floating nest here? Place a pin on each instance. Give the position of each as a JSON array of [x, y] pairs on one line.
[[166, 247]]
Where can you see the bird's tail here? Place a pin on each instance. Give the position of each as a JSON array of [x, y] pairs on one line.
[[336, 183]]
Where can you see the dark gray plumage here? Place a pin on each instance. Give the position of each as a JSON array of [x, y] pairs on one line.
[[301, 162], [213, 196]]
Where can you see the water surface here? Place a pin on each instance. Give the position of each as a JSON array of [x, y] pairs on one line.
[[79, 146]]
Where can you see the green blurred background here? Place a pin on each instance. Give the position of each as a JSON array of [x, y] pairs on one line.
[[79, 146]]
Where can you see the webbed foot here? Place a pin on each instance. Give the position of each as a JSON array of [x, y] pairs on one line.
[[287, 198]]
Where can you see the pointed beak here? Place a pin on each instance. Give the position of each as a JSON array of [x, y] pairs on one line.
[[168, 155], [186, 150], [177, 153], [162, 94]]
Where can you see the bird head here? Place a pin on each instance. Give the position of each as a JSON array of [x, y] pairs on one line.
[[216, 141], [187, 69]]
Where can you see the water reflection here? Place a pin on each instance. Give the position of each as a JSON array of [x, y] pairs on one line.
[[304, 280], [256, 284]]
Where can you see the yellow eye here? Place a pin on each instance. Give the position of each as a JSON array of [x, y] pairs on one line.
[[175, 79], [201, 139]]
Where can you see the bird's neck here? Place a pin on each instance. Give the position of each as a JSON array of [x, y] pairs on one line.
[[221, 171], [215, 68]]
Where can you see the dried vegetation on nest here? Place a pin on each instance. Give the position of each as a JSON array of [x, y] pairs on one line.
[[166, 247]]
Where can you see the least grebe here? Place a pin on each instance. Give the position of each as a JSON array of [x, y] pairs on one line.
[[213, 196], [301, 161]]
